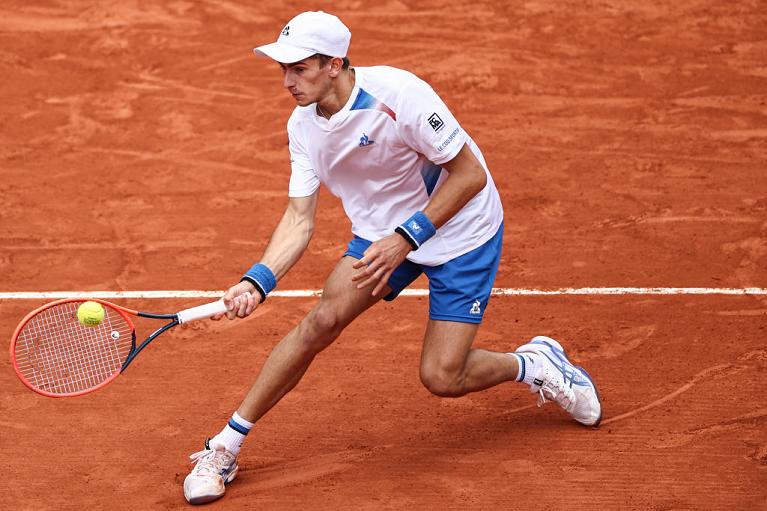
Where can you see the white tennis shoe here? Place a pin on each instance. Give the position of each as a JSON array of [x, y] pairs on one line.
[[559, 380], [215, 468]]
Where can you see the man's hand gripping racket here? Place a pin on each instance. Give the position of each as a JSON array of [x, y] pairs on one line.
[[56, 355]]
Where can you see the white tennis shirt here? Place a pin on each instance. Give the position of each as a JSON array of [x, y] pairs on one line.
[[381, 155]]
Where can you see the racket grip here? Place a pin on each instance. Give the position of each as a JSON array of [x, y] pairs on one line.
[[201, 311]]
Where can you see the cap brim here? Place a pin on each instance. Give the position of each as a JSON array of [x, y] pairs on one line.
[[284, 53]]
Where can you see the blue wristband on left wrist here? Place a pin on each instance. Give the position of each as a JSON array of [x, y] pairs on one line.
[[262, 278], [417, 229]]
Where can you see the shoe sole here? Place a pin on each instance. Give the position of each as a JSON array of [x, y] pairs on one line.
[[554, 345], [204, 499]]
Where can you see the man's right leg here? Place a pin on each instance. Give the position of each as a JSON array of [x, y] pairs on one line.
[[340, 304]]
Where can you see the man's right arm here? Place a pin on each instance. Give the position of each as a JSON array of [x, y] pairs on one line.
[[288, 242]]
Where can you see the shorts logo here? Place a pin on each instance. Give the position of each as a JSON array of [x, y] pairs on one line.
[[286, 30], [365, 141], [435, 122], [475, 308]]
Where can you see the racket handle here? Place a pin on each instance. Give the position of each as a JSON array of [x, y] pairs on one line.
[[201, 311]]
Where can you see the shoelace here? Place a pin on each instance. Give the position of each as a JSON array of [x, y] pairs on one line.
[[210, 462], [558, 392]]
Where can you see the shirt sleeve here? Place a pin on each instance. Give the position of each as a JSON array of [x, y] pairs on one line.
[[303, 180], [427, 125]]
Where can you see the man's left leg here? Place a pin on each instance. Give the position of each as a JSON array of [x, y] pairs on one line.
[[459, 292]]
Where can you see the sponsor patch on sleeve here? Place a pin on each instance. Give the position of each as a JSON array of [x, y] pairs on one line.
[[435, 122]]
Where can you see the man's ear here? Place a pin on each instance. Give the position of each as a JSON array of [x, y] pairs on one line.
[[336, 65]]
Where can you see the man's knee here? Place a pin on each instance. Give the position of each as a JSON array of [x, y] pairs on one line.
[[325, 319], [442, 380], [321, 327]]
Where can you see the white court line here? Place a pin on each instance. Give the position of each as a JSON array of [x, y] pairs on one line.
[[301, 293]]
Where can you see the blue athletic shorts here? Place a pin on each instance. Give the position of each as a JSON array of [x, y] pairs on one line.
[[459, 290]]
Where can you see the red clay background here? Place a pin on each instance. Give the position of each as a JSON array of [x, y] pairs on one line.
[[142, 146]]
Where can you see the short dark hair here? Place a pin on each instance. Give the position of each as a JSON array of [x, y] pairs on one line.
[[324, 59]]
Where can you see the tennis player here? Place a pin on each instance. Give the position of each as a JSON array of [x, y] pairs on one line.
[[421, 200]]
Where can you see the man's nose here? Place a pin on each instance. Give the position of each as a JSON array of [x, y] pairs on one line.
[[288, 81]]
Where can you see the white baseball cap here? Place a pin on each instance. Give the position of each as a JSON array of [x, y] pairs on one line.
[[309, 33]]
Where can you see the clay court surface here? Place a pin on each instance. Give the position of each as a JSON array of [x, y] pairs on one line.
[[142, 147]]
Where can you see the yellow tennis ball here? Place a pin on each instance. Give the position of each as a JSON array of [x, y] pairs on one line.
[[90, 313]]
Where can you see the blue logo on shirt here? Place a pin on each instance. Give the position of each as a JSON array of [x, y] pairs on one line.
[[365, 141]]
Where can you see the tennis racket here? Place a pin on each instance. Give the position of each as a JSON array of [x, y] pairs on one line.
[[57, 356]]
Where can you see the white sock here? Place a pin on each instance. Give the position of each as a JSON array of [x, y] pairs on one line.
[[233, 434], [528, 367]]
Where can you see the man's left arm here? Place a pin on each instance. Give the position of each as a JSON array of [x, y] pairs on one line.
[[466, 178]]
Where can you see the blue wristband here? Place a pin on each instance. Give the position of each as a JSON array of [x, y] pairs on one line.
[[416, 230], [262, 278]]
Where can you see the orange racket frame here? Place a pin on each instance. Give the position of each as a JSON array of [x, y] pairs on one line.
[[55, 355]]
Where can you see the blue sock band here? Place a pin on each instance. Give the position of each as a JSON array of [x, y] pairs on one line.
[[239, 424], [416, 230], [239, 429], [521, 362], [233, 434], [262, 278]]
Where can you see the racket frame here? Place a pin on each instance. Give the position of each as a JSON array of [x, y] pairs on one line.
[[126, 314]]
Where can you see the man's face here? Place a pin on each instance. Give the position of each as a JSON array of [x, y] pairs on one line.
[[306, 80]]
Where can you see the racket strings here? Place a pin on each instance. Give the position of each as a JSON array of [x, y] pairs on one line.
[[58, 354]]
